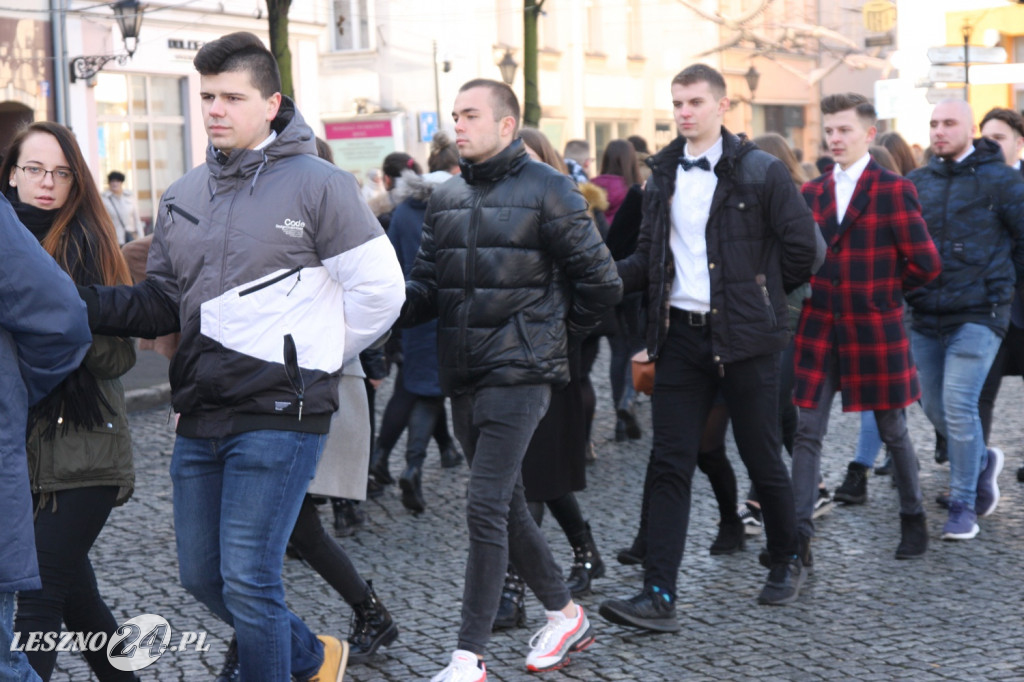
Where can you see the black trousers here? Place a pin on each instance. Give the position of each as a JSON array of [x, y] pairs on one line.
[[686, 382], [325, 556], [69, 594]]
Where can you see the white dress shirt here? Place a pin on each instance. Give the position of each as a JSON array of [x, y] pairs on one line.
[[846, 182], [691, 206]]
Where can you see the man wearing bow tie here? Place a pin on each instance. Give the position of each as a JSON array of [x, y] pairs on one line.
[[725, 235]]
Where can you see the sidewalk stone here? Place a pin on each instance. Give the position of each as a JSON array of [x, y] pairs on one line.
[[862, 615]]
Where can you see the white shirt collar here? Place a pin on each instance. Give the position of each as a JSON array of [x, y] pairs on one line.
[[967, 152], [270, 138], [713, 154], [855, 170]]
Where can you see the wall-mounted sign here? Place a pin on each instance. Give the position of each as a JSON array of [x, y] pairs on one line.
[[360, 145], [179, 44]]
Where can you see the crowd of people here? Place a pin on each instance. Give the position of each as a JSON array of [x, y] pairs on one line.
[[284, 294]]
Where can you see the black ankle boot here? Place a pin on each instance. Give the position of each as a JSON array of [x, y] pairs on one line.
[[372, 628], [379, 467], [913, 536], [412, 489], [731, 538], [348, 517], [634, 554], [450, 456], [231, 671], [586, 565], [512, 607]]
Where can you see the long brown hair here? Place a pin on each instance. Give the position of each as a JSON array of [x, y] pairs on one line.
[[620, 159], [83, 205], [539, 142], [900, 150], [776, 145]]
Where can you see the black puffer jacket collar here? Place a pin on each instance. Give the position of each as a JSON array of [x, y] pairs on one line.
[[508, 160], [985, 151]]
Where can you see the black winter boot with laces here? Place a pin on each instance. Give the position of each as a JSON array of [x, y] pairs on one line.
[[512, 607], [372, 628]]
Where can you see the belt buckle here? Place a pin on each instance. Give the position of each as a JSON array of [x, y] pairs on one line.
[[695, 319]]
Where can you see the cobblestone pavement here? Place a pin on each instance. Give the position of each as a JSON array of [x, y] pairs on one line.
[[862, 615]]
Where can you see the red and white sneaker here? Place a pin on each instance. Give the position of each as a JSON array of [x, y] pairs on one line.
[[551, 646], [465, 667]]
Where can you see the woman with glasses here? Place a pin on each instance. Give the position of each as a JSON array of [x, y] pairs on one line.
[[79, 448]]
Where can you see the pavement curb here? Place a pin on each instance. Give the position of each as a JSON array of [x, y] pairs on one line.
[[147, 398]]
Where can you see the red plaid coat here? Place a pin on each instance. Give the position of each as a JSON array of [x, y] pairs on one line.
[[881, 249]]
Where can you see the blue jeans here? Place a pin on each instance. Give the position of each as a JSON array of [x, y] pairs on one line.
[[869, 441], [953, 367], [495, 425], [14, 665], [236, 500]]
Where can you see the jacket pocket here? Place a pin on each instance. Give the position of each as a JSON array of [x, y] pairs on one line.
[[173, 209], [524, 338], [762, 284], [272, 281], [98, 454]]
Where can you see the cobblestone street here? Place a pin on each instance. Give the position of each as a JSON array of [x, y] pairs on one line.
[[862, 615]]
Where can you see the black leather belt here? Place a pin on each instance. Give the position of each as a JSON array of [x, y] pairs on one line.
[[689, 317]]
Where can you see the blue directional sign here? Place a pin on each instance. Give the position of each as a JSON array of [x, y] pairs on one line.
[[428, 125]]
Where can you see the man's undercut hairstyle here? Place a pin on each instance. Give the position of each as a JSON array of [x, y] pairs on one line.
[[844, 101], [115, 176], [701, 73], [503, 98], [240, 51], [577, 150], [1007, 116]]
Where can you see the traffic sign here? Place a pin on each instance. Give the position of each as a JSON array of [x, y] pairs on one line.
[[936, 95], [954, 54], [947, 74]]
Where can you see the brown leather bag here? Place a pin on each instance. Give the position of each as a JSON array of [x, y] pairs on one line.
[[643, 373]]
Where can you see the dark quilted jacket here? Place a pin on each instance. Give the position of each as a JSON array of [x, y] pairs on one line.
[[975, 214], [512, 265], [761, 241]]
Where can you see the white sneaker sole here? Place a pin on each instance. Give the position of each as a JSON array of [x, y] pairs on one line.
[[1000, 460], [962, 536]]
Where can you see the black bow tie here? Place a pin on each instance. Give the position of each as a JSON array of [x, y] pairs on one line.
[[701, 163]]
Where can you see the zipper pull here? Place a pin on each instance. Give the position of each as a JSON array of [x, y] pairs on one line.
[[721, 370], [297, 280], [300, 409]]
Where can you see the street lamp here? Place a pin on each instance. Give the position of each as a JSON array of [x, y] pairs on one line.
[[753, 78], [128, 14], [508, 66]]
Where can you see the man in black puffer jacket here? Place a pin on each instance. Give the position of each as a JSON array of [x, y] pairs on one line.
[[973, 204], [725, 235], [515, 270]]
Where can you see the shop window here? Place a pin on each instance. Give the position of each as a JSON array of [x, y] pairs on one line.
[[141, 131], [353, 25]]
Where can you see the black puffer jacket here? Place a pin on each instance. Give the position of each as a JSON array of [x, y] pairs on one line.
[[511, 264], [761, 243], [975, 214]]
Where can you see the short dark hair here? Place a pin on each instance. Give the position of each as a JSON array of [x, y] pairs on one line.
[[396, 162], [503, 98], [1007, 116], [115, 176], [240, 51], [844, 101], [701, 73], [639, 144]]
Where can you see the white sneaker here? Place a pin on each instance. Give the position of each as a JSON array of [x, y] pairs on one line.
[[751, 518], [551, 646], [465, 667]]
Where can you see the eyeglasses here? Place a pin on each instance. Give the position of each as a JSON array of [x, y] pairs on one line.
[[61, 176]]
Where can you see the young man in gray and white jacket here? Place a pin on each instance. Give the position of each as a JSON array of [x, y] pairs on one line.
[[275, 271]]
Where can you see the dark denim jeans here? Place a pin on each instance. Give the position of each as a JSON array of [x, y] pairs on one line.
[[494, 425], [14, 665], [236, 500], [686, 383]]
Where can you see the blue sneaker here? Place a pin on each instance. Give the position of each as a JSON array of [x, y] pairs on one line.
[[962, 523], [988, 485]]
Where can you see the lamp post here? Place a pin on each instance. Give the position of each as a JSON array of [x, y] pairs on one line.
[[508, 66], [753, 77], [128, 14]]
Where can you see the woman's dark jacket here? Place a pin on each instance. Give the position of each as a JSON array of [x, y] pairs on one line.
[[761, 243], [512, 265]]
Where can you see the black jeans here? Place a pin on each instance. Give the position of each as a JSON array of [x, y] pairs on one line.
[[423, 419], [1011, 350], [686, 382], [325, 556], [396, 418], [69, 594], [494, 424]]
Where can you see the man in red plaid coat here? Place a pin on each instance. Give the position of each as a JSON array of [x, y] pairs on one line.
[[851, 336]]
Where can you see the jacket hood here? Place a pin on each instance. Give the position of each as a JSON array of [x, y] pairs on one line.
[[595, 195], [615, 188], [985, 151], [734, 147], [418, 187], [294, 137], [508, 160]]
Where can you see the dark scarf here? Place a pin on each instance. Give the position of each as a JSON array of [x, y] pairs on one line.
[[77, 400]]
